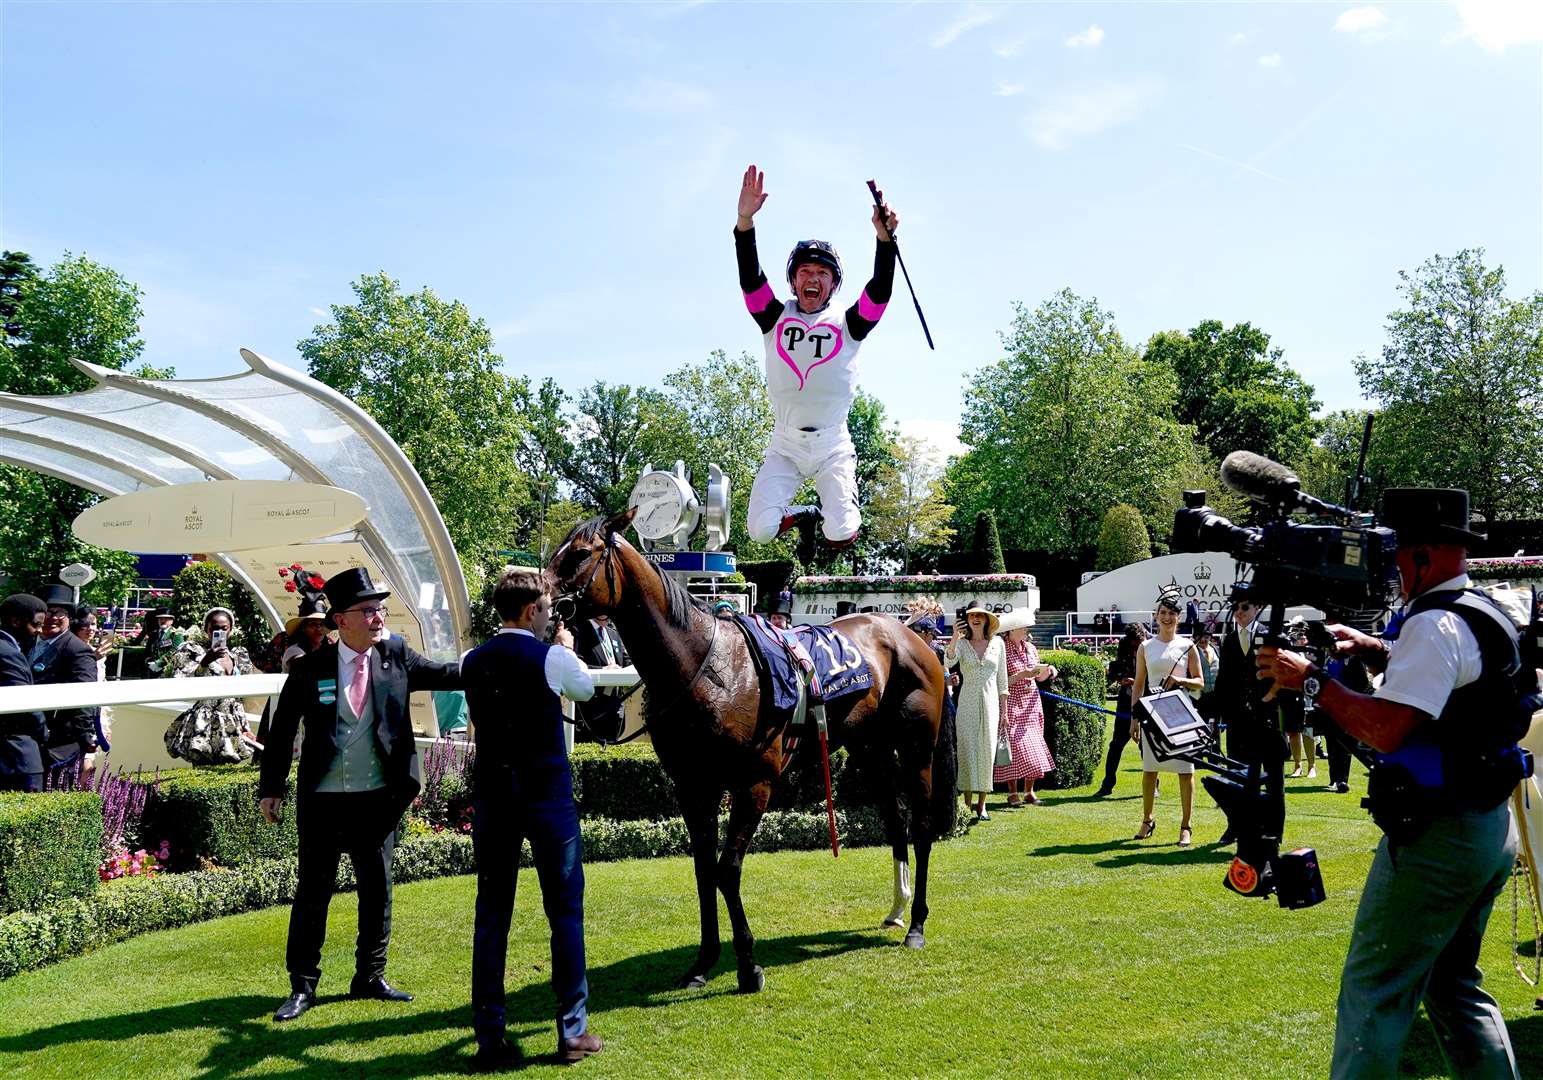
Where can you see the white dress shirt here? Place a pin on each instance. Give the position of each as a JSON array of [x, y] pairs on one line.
[[1434, 655], [565, 673]]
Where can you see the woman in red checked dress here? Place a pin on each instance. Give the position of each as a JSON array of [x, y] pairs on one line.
[[1025, 717]]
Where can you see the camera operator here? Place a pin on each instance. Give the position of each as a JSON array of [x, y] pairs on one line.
[[1253, 733], [1450, 845]]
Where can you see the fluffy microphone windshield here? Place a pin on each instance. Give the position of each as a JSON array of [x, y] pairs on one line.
[[1259, 477]]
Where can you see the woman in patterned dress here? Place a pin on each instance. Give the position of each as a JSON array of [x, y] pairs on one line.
[[1025, 717], [214, 731], [982, 662]]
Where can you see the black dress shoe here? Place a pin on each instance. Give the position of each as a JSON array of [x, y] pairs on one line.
[[1227, 837], [496, 1057], [293, 1006], [376, 988]]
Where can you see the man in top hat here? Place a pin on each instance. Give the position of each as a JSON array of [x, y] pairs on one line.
[[1445, 723], [359, 772], [781, 615], [597, 643], [22, 735], [57, 657], [1253, 734]]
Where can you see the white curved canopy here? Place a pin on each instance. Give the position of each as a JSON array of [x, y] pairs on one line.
[[268, 423]]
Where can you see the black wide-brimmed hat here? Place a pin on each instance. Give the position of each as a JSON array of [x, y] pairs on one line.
[[1428, 516], [351, 587], [57, 595]]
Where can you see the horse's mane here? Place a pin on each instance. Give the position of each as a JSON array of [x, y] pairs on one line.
[[679, 604]]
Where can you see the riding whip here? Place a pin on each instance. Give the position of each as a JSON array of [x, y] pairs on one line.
[[830, 801], [874, 188]]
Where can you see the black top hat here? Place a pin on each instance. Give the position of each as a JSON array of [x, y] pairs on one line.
[[1428, 516], [157, 613], [56, 595], [845, 607], [351, 587], [1241, 590], [783, 605]]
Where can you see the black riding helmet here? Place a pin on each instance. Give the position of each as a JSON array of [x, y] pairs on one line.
[[819, 252]]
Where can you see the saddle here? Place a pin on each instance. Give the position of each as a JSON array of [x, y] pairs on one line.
[[801, 670]]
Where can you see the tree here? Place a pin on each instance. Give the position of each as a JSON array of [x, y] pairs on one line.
[[1068, 424], [1461, 384], [1331, 460], [543, 455], [82, 309], [1122, 538], [1236, 391], [425, 369], [987, 545], [907, 507], [617, 430]]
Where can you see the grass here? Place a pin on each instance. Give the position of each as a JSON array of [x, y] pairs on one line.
[[1056, 947]]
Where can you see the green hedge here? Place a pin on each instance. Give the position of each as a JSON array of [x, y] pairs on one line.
[[1076, 736], [624, 783], [210, 815], [50, 847], [122, 909]]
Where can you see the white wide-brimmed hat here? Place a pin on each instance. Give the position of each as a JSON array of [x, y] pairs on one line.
[[1017, 619]]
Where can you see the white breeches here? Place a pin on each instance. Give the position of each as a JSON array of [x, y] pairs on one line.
[[829, 458]]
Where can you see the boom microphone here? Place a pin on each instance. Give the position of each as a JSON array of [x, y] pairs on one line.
[[1270, 482]]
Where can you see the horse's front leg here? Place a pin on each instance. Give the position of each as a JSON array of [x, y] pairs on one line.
[[700, 811], [744, 817]]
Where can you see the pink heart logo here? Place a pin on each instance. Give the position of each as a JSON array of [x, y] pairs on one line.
[[816, 344]]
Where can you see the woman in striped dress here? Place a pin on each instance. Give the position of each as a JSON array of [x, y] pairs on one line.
[[1025, 717]]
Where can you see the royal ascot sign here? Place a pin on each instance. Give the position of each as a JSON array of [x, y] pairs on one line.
[[223, 515], [1206, 578]]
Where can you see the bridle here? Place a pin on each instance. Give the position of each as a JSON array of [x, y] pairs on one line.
[[565, 606]]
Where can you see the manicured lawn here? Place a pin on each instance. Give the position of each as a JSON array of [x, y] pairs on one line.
[[1056, 947]]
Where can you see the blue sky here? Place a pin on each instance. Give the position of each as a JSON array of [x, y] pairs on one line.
[[570, 171]]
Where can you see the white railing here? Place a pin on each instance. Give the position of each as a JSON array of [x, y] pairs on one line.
[[1075, 619]]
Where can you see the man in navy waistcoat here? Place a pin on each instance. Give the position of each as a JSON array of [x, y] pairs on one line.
[[514, 685]]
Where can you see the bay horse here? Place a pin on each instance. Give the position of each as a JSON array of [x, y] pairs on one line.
[[713, 736]]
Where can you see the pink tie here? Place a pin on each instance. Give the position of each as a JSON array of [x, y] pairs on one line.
[[360, 683]]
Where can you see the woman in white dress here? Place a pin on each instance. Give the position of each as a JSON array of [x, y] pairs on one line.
[[982, 662], [1166, 661]]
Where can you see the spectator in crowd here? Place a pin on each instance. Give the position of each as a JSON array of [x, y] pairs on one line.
[[781, 615], [515, 684], [845, 607], [725, 609], [599, 645], [84, 626], [1293, 718], [1253, 731], [59, 657], [982, 662], [214, 731], [1166, 661], [1122, 675], [926, 618], [22, 735], [159, 638], [1205, 645], [1116, 620], [1024, 722], [1351, 672], [305, 632], [1191, 618]]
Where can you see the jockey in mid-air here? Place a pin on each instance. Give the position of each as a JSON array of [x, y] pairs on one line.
[[811, 377]]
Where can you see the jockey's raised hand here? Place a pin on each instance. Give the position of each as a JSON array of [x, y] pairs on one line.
[[752, 196], [884, 219]]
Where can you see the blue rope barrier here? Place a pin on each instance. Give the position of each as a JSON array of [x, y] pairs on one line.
[[1085, 705]]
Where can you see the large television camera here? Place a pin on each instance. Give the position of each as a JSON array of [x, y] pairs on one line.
[[1343, 563]]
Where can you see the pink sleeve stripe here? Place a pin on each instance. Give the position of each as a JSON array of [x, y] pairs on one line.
[[868, 309], [758, 301]]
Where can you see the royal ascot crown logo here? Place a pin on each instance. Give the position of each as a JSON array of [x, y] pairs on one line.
[[1202, 572], [193, 521]]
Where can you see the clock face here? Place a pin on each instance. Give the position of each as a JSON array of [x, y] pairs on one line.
[[659, 502]]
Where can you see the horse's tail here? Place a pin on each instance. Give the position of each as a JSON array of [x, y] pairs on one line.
[[945, 773]]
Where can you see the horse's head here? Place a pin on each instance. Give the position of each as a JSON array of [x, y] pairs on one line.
[[585, 572]]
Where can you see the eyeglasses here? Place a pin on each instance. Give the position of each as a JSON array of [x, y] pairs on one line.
[[1244, 605], [368, 613]]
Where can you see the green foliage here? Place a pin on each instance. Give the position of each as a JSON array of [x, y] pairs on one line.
[[617, 430], [769, 577], [908, 508], [1122, 538], [18, 275], [987, 545], [1236, 391], [204, 585], [1075, 736], [36, 541], [50, 847], [425, 369], [1461, 385], [1069, 423], [209, 815]]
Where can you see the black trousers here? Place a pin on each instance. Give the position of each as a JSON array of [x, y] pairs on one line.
[[1117, 739], [364, 826], [1338, 744]]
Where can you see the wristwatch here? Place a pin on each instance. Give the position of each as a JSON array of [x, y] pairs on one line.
[[1311, 685]]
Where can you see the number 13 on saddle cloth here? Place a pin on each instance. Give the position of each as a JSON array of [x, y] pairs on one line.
[[832, 663]]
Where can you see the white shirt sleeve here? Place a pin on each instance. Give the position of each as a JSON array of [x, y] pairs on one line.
[[1434, 655], [567, 675]]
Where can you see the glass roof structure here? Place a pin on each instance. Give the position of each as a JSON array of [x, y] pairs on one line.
[[267, 423]]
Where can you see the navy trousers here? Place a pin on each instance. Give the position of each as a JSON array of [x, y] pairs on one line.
[[506, 815]]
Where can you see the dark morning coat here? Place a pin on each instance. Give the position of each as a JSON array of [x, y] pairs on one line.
[[67, 659], [1252, 731], [21, 734], [395, 672]]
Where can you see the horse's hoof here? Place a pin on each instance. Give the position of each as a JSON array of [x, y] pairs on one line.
[[914, 939], [891, 924], [690, 981], [752, 981]]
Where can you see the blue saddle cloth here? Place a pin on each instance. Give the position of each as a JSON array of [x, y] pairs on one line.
[[839, 667]]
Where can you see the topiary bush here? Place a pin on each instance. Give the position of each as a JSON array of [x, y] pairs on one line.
[[50, 847], [1075, 736], [204, 585], [209, 815], [987, 547], [1122, 538]]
